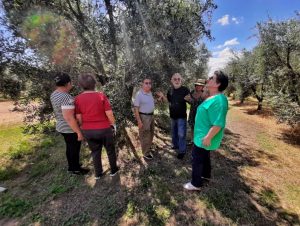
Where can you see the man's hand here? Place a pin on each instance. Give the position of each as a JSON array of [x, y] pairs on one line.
[[80, 136], [140, 124], [188, 98], [206, 141]]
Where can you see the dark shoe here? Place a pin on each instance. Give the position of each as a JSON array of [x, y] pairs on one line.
[[180, 155], [97, 177], [148, 156], [114, 172], [81, 171]]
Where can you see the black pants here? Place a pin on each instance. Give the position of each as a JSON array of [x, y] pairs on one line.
[[201, 166], [72, 150], [96, 140]]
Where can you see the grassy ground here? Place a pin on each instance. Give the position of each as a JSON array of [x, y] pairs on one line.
[[254, 182]]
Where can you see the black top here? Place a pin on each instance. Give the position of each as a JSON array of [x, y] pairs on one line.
[[177, 104]]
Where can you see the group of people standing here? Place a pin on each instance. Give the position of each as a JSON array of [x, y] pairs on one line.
[[90, 116], [207, 119]]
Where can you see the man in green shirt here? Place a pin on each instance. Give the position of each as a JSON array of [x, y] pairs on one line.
[[209, 129]]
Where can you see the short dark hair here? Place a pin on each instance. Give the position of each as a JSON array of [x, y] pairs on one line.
[[146, 77], [62, 79], [222, 79], [87, 81]]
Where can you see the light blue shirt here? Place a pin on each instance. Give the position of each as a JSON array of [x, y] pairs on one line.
[[144, 101]]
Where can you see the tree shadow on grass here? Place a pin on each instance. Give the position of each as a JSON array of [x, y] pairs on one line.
[[151, 192], [291, 136], [264, 113], [230, 192]]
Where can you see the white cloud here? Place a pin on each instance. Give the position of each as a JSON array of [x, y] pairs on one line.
[[231, 42], [235, 20], [219, 59], [224, 20]]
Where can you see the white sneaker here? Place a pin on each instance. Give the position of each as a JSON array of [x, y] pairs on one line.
[[190, 187], [2, 189]]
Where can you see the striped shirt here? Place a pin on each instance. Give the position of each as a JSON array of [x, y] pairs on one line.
[[61, 101]]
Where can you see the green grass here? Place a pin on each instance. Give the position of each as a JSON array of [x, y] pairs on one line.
[[268, 198], [14, 207], [131, 209], [7, 172], [78, 219], [10, 136], [20, 150], [265, 142], [41, 168], [16, 145]]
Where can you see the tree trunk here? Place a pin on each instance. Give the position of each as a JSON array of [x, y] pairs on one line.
[[259, 106], [112, 30], [259, 98]]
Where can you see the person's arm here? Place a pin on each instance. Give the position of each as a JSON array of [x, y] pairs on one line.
[[69, 116], [111, 117], [137, 117], [79, 119], [211, 133]]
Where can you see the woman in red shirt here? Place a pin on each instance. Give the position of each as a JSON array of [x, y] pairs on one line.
[[94, 113]]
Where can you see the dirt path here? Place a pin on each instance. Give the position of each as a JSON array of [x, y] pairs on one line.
[[7, 115], [261, 140]]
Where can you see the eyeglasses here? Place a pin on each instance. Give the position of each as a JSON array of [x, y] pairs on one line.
[[147, 83], [176, 79]]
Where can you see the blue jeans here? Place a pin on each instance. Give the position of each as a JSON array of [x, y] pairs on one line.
[[179, 134]]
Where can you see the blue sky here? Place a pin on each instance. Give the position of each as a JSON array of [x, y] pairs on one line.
[[233, 24]]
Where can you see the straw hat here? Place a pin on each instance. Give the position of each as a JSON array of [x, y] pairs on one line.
[[200, 82]]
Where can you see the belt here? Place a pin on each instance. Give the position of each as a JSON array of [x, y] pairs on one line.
[[141, 113]]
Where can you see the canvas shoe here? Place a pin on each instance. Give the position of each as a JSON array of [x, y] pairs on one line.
[[190, 187]]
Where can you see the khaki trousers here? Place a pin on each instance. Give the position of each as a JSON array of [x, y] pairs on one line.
[[146, 133]]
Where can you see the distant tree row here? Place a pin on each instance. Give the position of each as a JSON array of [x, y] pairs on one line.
[[271, 71], [119, 41]]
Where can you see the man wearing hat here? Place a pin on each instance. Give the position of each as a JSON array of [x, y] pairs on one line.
[[66, 124], [195, 98]]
